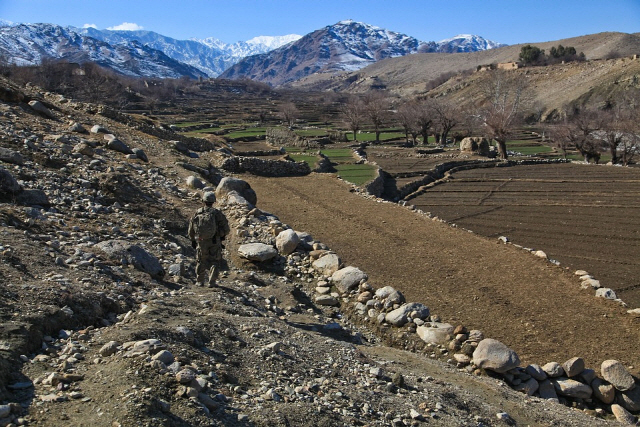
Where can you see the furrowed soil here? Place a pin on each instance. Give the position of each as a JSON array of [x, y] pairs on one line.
[[531, 305], [585, 216]]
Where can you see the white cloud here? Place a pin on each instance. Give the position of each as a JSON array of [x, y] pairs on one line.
[[90, 26], [126, 26]]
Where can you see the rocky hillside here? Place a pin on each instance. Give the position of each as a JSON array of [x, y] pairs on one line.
[[102, 323], [30, 44], [409, 75]]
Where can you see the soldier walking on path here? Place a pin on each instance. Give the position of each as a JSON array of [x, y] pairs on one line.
[[207, 230]]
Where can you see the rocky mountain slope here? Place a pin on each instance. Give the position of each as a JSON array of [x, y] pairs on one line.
[[135, 53], [209, 55], [30, 44], [102, 324], [345, 46]]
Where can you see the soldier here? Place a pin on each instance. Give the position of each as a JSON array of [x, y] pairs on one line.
[[207, 230]]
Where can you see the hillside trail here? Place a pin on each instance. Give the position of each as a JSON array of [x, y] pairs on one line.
[[533, 306]]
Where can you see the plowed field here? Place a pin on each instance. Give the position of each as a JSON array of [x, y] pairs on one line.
[[585, 216]]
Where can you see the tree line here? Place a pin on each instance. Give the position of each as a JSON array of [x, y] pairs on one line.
[[533, 55]]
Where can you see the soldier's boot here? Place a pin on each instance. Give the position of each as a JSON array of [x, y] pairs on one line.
[[213, 277]]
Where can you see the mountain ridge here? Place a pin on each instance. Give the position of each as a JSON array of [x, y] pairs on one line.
[[346, 46], [29, 44], [349, 48]]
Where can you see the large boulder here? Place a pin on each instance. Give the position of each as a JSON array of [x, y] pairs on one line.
[[243, 188], [348, 278], [8, 184], [33, 197], [623, 416], [615, 372], [41, 108], [630, 400], [553, 369], [194, 182], [287, 241], [434, 332], [602, 390], [327, 264], [547, 390], [115, 144], [235, 198], [402, 314], [477, 145], [606, 293], [573, 366], [572, 388], [494, 355], [123, 251], [10, 156], [257, 251]]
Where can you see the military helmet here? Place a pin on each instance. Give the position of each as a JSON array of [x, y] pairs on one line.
[[209, 197]]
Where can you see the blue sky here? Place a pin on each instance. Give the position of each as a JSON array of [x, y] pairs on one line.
[[505, 21]]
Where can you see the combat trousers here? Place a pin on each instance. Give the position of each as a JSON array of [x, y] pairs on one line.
[[209, 258]]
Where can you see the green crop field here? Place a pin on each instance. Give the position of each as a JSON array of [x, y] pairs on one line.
[[371, 136], [339, 155], [357, 174], [246, 133], [309, 158]]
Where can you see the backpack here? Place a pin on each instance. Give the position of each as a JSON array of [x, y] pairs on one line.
[[204, 224]]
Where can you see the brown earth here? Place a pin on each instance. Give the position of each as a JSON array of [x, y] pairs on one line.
[[585, 216], [533, 306]]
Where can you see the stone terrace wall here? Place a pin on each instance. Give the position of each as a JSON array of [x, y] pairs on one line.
[[442, 171], [376, 186], [280, 137], [193, 144], [263, 167]]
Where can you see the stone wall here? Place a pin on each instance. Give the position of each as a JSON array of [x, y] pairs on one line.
[[376, 186], [263, 167], [443, 170], [193, 144], [412, 326]]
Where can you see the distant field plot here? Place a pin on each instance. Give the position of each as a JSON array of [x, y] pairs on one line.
[[585, 216], [356, 173]]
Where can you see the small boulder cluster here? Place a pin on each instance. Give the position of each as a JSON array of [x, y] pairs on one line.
[[191, 383], [587, 281]]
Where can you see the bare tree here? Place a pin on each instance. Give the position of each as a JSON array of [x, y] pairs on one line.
[[630, 146], [578, 131], [289, 113], [425, 118], [610, 134], [353, 113], [376, 108], [504, 95], [446, 117], [406, 116]]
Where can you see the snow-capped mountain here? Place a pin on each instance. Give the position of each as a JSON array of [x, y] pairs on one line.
[[345, 46], [255, 46], [29, 44], [466, 43], [210, 55]]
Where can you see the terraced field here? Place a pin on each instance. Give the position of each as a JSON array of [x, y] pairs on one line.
[[584, 216]]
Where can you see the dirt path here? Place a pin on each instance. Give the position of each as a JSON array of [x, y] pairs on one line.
[[531, 305]]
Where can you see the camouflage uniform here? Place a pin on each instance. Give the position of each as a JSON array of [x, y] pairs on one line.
[[209, 251]]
